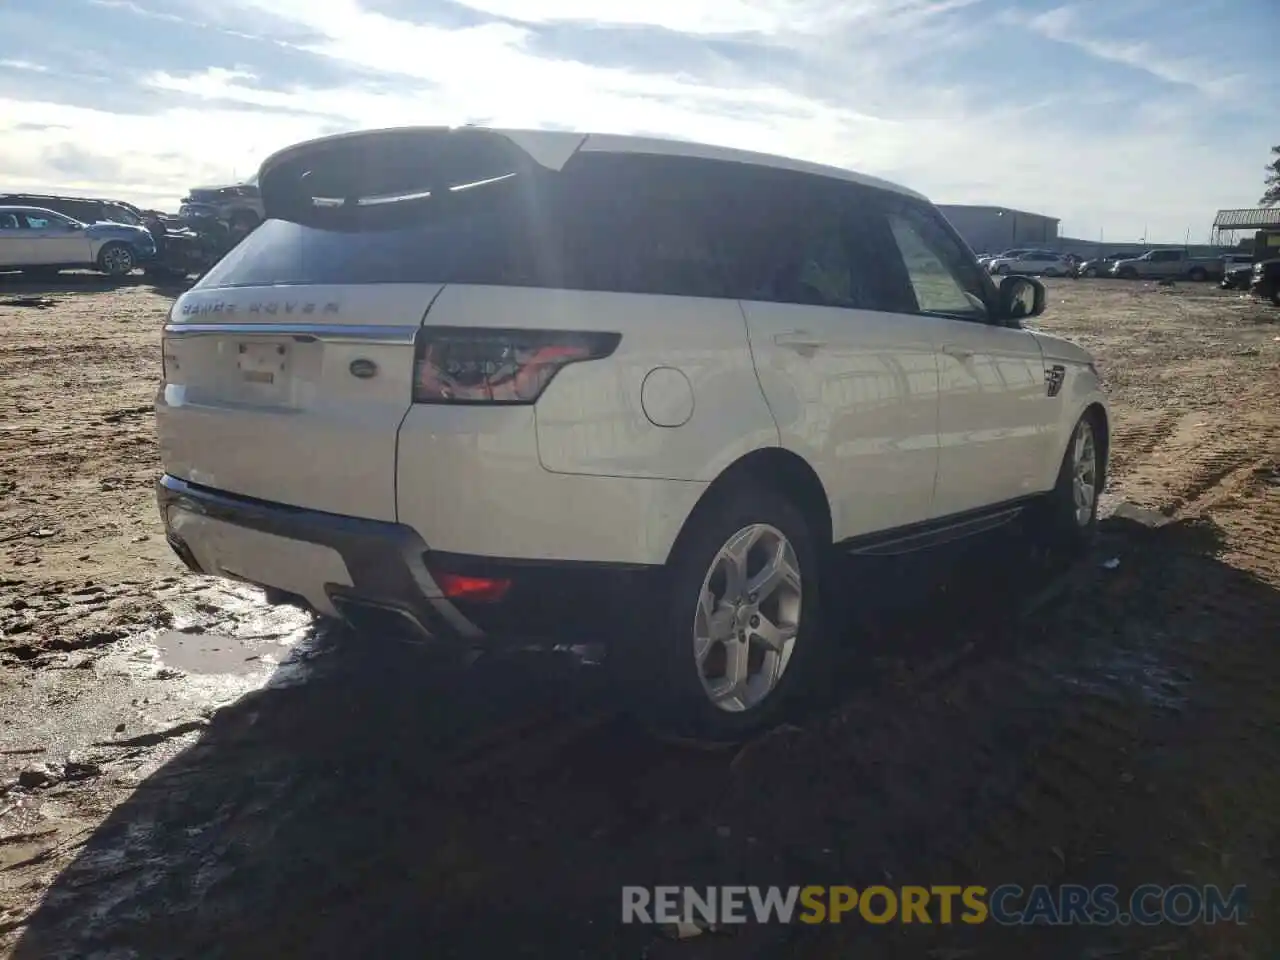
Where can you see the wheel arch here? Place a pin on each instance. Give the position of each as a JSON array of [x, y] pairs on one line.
[[773, 468]]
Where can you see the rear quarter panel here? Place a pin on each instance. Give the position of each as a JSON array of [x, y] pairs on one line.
[[595, 417]]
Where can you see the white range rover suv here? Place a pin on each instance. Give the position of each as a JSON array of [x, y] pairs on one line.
[[552, 386]]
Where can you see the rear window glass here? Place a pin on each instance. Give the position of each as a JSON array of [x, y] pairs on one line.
[[482, 239], [629, 223]]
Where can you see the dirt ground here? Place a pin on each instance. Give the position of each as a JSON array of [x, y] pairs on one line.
[[186, 773]]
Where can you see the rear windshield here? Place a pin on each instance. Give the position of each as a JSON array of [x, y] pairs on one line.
[[482, 238], [618, 223]]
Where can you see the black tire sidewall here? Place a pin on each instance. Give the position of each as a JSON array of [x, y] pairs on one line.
[[116, 245], [664, 687]]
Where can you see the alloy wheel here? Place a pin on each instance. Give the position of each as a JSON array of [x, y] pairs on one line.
[[748, 618], [117, 261], [1084, 473]]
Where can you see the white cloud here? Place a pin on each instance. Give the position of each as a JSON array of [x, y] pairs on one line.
[[1071, 25], [853, 100]]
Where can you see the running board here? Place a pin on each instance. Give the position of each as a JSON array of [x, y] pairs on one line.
[[932, 534]]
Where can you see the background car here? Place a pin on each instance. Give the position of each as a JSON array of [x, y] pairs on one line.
[[84, 209], [39, 240], [1237, 271], [1006, 254], [1101, 266], [1167, 264], [238, 205], [1044, 262], [1265, 281]]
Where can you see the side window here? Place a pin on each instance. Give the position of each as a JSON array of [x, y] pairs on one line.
[[786, 237], [943, 279], [38, 222], [118, 214], [636, 224], [804, 259]]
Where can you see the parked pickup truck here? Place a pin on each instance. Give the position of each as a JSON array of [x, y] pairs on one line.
[[1161, 264]]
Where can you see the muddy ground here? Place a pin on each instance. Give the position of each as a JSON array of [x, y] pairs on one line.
[[186, 773]]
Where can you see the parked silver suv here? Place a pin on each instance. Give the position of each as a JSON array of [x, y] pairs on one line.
[[35, 239]]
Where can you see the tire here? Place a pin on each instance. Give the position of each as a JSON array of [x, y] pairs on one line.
[[1127, 273], [1090, 273], [1051, 272], [676, 671], [1198, 274], [1067, 519], [117, 259]]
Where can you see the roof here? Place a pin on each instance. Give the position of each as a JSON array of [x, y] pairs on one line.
[[991, 208], [553, 148], [1258, 218]]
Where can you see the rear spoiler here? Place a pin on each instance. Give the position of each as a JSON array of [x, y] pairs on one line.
[[347, 179]]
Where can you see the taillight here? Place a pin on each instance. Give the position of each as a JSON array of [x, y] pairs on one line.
[[466, 365], [476, 589]]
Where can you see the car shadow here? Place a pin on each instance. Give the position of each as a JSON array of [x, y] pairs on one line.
[[399, 803]]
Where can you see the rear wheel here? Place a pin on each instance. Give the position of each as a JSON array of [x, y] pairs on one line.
[[1198, 274], [736, 633], [1068, 517], [116, 259], [1090, 272]]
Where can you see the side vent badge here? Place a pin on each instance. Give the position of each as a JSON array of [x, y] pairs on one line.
[[1053, 378]]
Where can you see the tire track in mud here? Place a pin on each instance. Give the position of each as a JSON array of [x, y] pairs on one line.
[[1131, 442]]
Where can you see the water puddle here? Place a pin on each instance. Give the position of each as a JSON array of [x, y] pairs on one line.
[[211, 653]]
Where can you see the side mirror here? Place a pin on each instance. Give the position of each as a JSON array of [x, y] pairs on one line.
[[1021, 298]]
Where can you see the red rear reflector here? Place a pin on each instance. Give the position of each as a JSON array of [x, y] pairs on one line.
[[479, 589]]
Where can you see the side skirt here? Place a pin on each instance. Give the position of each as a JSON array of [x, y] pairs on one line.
[[933, 533]]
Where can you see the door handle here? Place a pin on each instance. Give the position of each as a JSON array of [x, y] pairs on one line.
[[799, 340], [957, 351]]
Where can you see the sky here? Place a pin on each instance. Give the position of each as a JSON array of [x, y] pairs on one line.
[[1116, 116]]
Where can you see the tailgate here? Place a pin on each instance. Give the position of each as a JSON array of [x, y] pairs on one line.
[[289, 367], [291, 394]]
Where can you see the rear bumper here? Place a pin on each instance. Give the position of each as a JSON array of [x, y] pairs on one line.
[[374, 572]]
